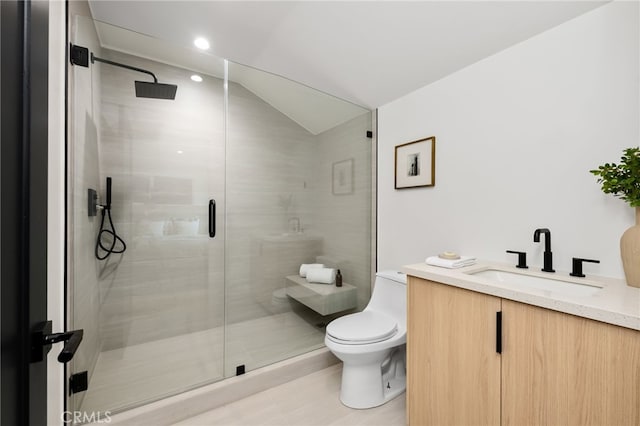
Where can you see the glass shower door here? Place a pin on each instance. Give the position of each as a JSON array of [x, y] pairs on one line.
[[288, 169], [298, 191], [153, 315]]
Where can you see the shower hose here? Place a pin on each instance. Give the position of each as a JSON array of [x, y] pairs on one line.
[[108, 249]]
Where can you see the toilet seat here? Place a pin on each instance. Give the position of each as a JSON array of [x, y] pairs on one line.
[[362, 328]]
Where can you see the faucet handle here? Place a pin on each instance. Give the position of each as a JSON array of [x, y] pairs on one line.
[[522, 258], [577, 266]]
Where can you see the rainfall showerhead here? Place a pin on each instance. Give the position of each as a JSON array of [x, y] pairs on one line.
[[146, 89]]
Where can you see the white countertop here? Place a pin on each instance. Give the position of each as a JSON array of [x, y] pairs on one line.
[[617, 303]]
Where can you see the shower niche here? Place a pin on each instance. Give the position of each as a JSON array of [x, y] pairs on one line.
[[180, 309]]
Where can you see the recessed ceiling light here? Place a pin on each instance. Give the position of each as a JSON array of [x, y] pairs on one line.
[[179, 151], [196, 78], [201, 43]]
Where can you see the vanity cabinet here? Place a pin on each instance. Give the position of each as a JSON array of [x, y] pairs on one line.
[[453, 372], [563, 369], [553, 368]]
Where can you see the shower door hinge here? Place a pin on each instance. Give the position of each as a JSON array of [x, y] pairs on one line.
[[79, 56], [369, 134], [78, 382]]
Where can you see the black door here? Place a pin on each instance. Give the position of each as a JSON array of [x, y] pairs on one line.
[[23, 206]]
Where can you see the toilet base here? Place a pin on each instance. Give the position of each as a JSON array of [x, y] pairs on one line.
[[373, 384], [396, 386]]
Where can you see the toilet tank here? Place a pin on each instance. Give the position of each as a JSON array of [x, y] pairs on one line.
[[390, 295]]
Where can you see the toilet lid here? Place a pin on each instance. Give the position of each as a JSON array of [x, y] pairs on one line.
[[363, 327]]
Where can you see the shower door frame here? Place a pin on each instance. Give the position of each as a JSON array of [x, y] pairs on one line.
[[25, 118]]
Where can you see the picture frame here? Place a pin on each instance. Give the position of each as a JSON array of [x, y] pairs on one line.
[[342, 177], [415, 164]]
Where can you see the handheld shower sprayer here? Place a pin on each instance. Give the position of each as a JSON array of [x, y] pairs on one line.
[[108, 205], [111, 238]]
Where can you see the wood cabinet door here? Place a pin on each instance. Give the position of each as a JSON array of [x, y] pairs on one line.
[[453, 367], [562, 369], [534, 366], [604, 374]]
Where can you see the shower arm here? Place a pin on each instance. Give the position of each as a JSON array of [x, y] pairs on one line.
[[117, 64]]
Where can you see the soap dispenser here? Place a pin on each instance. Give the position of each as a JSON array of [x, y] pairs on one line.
[[339, 279]]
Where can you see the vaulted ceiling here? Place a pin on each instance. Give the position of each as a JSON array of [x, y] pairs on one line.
[[367, 52]]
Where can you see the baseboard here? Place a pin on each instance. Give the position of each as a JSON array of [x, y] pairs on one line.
[[191, 403]]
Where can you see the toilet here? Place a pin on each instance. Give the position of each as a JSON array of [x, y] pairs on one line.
[[372, 345]]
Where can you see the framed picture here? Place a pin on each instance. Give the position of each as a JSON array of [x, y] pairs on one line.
[[415, 164], [342, 177]]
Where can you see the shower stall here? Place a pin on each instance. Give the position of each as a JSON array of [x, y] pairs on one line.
[[218, 196]]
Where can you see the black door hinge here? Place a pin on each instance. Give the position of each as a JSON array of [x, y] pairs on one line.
[[78, 382], [79, 55]]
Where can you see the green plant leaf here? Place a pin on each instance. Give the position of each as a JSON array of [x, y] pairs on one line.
[[622, 180]]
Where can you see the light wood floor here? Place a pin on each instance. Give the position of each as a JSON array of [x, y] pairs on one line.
[[312, 400]]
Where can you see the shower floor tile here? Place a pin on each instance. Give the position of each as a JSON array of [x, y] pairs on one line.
[[137, 374]]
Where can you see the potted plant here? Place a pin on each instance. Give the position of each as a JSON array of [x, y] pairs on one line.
[[623, 181]]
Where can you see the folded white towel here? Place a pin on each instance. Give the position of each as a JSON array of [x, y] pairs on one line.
[[321, 275], [450, 263], [305, 267]]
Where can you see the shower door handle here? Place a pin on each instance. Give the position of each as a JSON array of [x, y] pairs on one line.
[[212, 218], [42, 338]]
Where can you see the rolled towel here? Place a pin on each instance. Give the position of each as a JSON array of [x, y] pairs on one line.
[[305, 267], [450, 263], [321, 275]]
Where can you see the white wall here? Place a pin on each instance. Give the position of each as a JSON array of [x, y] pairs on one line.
[[517, 134]]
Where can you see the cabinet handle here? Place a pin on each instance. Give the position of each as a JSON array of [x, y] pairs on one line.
[[499, 332]]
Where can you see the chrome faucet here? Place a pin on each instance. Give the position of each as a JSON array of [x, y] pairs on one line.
[[548, 256]]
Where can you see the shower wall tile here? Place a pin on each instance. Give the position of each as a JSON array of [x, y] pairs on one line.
[[275, 257], [345, 220], [269, 159], [167, 159]]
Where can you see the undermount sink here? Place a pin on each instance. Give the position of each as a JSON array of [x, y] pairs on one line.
[[550, 284]]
